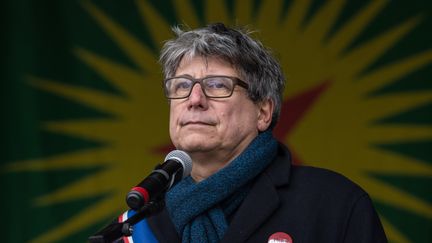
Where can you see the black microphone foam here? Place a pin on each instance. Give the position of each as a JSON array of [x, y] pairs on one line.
[[177, 166]]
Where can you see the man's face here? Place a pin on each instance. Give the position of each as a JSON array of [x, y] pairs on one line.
[[217, 125]]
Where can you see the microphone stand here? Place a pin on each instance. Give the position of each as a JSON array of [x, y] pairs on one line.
[[117, 230]]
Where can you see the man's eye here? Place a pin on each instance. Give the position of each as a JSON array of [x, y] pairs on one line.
[[182, 85], [216, 84]]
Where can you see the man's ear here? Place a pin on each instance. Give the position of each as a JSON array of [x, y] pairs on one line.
[[265, 113]]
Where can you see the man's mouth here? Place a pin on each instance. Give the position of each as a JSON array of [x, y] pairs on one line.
[[196, 123]]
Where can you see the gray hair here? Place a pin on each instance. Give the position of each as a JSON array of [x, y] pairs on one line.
[[254, 63]]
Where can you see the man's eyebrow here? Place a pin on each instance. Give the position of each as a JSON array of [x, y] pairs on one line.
[[184, 76]]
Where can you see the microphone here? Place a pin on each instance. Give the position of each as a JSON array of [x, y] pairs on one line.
[[177, 165]]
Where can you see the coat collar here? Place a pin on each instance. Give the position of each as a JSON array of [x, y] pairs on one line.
[[280, 170], [262, 198]]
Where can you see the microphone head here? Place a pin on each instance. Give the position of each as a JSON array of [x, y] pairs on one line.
[[183, 158]]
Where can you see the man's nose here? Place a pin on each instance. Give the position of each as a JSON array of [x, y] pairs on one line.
[[197, 96]]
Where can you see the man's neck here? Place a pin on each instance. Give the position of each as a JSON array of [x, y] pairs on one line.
[[207, 164]]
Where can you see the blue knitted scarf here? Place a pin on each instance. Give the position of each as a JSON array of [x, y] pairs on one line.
[[199, 211]]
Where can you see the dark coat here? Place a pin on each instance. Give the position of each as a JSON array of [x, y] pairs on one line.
[[309, 204]]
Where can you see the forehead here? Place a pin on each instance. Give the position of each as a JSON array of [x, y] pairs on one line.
[[199, 66]]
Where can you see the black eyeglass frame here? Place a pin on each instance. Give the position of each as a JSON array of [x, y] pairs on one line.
[[236, 81]]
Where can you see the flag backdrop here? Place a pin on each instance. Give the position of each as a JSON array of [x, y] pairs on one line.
[[84, 117]]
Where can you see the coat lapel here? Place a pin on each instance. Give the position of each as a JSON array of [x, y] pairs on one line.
[[261, 201]]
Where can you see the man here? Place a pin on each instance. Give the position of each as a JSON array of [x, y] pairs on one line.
[[225, 93]]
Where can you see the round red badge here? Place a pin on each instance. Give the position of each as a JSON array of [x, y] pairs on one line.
[[280, 237]]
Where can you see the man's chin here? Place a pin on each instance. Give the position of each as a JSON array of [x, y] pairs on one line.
[[196, 146], [188, 140]]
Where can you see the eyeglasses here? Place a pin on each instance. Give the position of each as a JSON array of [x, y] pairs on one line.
[[212, 86]]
